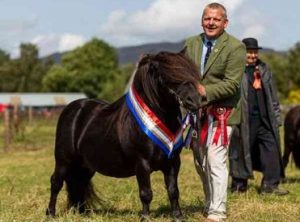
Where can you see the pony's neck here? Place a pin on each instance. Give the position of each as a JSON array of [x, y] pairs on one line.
[[169, 114], [166, 109]]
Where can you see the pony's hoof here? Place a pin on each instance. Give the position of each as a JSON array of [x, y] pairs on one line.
[[50, 213], [145, 218], [179, 219]]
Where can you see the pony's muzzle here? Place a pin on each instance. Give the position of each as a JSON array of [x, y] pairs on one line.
[[193, 103]]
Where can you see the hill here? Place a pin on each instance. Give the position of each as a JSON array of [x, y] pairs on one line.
[[130, 54]]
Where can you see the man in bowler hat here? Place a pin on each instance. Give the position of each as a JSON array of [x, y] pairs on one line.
[[255, 143]]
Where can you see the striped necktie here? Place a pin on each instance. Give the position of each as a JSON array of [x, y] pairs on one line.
[[209, 45]]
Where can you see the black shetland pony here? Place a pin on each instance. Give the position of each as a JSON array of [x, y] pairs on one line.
[[94, 136], [292, 136]]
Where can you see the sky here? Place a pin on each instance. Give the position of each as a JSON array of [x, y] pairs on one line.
[[61, 25]]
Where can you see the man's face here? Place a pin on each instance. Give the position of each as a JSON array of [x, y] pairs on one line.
[[252, 56], [213, 22]]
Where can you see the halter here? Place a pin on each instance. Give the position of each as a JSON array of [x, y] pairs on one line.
[[177, 97]]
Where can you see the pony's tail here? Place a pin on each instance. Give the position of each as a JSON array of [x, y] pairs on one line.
[[81, 193]]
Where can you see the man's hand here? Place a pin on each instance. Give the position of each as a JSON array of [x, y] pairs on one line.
[[201, 90]]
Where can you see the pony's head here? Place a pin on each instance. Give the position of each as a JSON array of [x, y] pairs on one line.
[[168, 79]]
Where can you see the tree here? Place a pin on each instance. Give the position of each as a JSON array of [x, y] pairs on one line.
[[293, 67], [57, 79], [9, 80], [27, 62], [278, 64], [4, 57], [94, 55], [127, 72], [89, 69], [293, 97], [23, 74], [5, 69]]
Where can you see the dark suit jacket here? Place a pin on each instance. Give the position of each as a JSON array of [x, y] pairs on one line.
[[241, 165]]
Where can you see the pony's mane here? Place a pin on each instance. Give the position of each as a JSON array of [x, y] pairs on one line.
[[154, 70]]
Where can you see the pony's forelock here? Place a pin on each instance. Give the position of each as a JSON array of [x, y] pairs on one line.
[[163, 69], [177, 68]]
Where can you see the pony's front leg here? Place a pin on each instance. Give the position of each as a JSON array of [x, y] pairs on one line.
[[143, 178], [170, 176]]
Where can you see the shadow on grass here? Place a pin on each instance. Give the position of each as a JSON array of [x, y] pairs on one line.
[[290, 180], [113, 211], [186, 210], [162, 211], [100, 211]]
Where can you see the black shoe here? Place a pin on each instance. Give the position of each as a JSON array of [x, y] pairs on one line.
[[274, 190]]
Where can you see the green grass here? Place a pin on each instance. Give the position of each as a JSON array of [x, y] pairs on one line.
[[25, 190]]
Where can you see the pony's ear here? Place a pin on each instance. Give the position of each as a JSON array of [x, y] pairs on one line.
[[143, 59], [141, 56], [183, 51]]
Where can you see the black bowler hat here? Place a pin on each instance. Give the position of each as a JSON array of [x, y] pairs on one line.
[[251, 43]]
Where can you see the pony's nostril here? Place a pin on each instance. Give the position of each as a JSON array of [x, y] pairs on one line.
[[193, 103], [189, 100], [190, 103]]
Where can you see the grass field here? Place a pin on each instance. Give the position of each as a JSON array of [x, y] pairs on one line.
[[25, 189]]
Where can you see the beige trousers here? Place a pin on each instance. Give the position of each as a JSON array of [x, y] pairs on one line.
[[211, 165]]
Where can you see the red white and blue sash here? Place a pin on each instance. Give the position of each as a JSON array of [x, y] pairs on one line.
[[153, 127]]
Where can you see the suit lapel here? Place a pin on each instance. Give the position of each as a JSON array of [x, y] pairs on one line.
[[198, 51], [220, 44]]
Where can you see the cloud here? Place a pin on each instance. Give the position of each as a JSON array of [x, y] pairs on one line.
[[252, 24], [162, 20], [47, 44], [256, 30], [51, 43], [12, 29], [69, 42]]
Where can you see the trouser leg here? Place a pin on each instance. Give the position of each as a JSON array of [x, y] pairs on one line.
[[269, 157], [214, 175], [264, 151], [199, 160]]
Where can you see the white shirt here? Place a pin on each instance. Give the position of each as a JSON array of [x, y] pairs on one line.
[[204, 50]]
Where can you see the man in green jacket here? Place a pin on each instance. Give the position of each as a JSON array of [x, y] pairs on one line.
[[221, 61]]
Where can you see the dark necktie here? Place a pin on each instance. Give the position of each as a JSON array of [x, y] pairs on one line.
[[209, 45]]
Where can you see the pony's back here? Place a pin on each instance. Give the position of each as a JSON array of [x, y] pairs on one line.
[[71, 122]]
